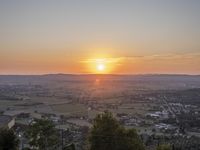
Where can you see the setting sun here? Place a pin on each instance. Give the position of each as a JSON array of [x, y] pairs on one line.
[[100, 67]]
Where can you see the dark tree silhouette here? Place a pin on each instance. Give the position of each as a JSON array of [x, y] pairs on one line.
[[42, 135], [164, 147], [8, 139], [108, 134]]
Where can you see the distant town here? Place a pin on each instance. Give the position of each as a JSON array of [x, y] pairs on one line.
[[162, 108]]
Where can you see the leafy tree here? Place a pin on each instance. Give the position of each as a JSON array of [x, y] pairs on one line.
[[26, 148], [164, 147], [69, 147], [42, 135], [8, 139], [107, 134]]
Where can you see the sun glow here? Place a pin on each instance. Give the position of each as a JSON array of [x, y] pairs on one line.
[[100, 67], [103, 65]]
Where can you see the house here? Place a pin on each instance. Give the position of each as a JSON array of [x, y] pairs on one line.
[[6, 121]]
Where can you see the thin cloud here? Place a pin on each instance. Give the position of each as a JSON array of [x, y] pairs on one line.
[[105, 60], [166, 56], [120, 60]]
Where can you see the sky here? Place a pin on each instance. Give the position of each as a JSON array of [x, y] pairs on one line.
[[100, 36]]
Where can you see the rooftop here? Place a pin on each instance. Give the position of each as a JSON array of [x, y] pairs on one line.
[[4, 120]]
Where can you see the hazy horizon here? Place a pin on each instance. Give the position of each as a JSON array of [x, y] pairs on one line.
[[95, 74]]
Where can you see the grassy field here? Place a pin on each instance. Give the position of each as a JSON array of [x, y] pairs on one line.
[[70, 109]]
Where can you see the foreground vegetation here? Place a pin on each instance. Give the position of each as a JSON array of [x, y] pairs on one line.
[[8, 140], [105, 134]]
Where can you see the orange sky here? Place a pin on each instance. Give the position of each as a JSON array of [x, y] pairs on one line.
[[42, 63], [123, 37]]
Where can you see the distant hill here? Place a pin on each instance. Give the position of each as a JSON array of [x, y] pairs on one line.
[[94, 76]]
